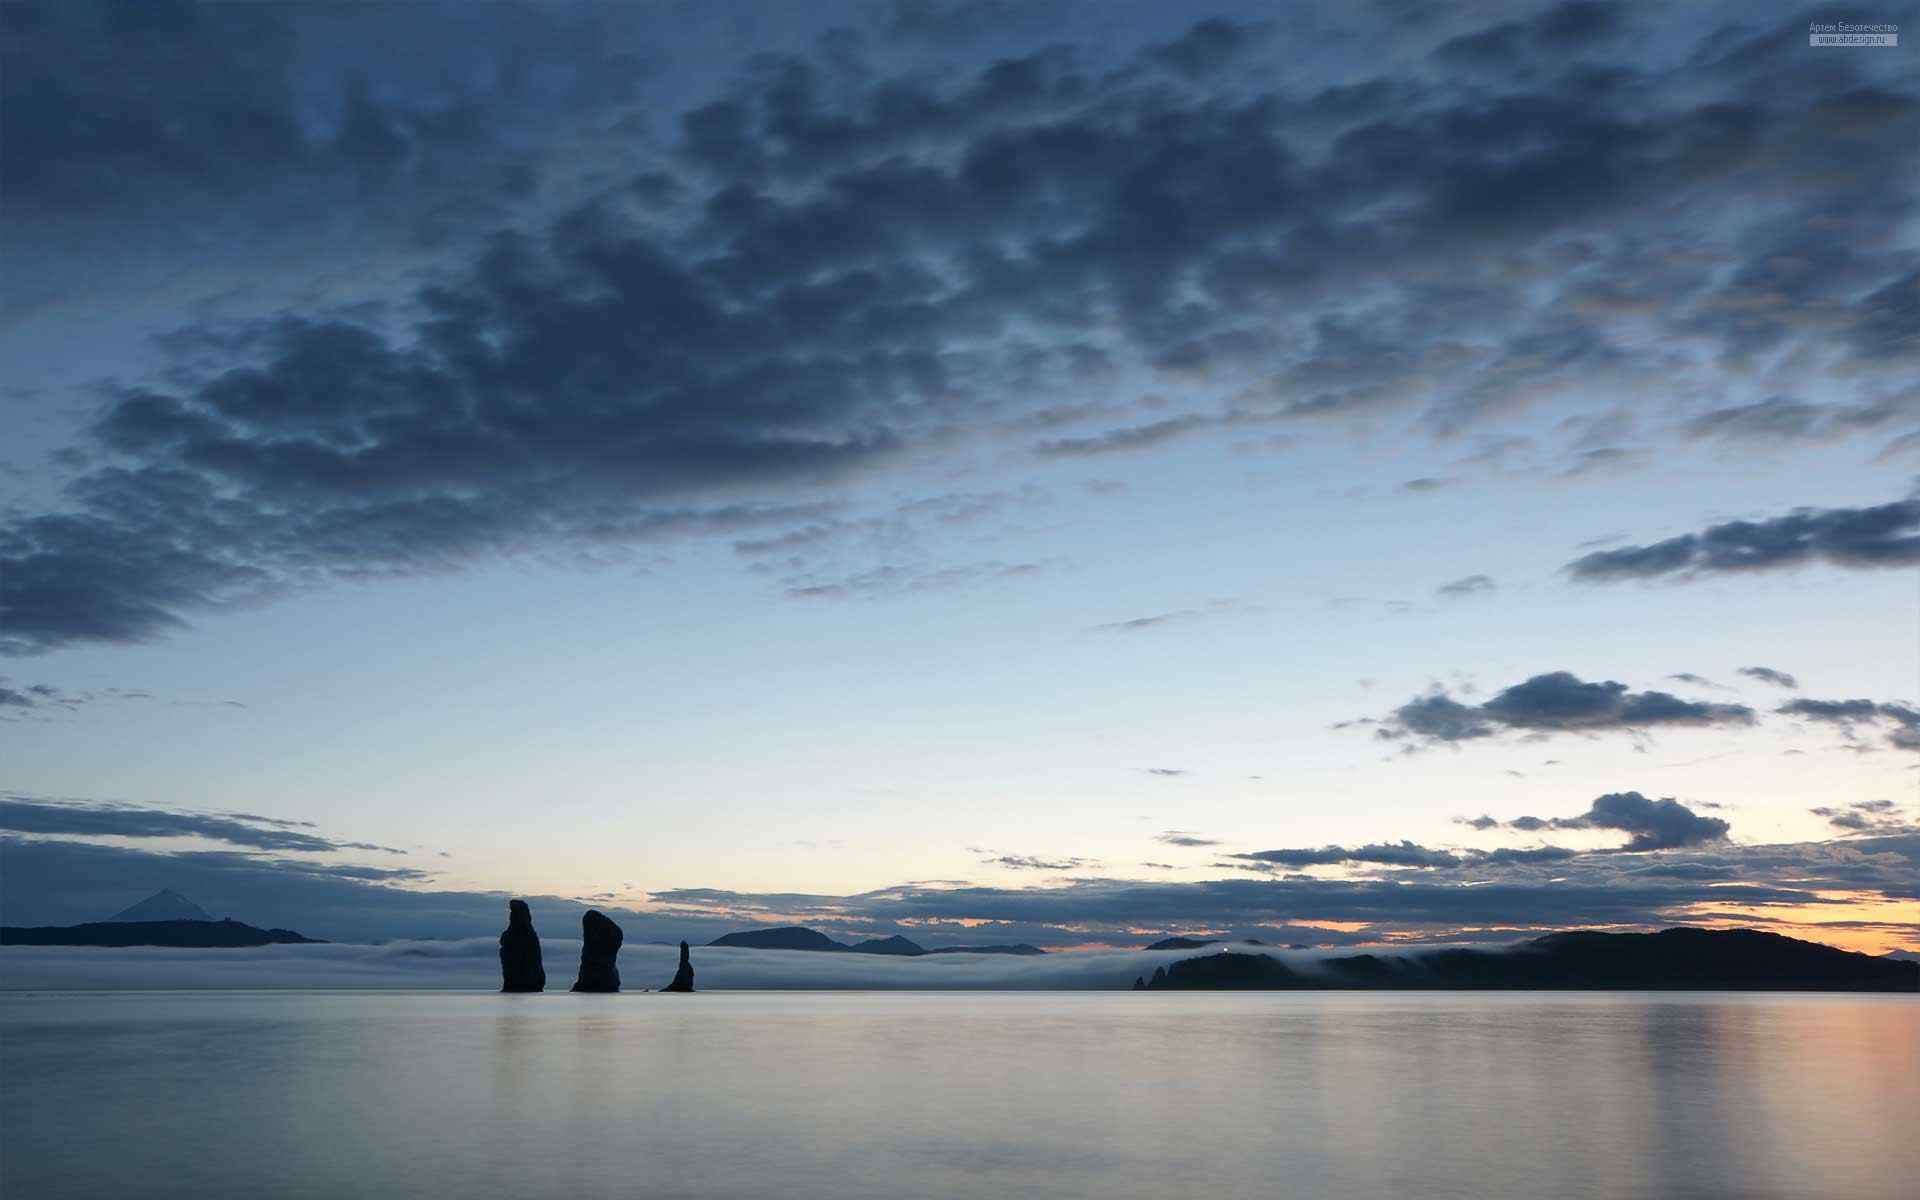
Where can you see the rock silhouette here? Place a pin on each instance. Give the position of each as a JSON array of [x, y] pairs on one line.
[[520, 966], [683, 978], [600, 941]]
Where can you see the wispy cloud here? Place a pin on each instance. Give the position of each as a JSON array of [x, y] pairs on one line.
[[1182, 837], [1471, 585], [1887, 535], [1555, 702], [25, 814]]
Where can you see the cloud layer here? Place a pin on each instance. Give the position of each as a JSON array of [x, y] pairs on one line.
[[837, 262], [1674, 868]]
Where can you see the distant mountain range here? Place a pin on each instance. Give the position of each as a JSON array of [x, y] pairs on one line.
[[165, 918], [1673, 959], [799, 937], [181, 934]]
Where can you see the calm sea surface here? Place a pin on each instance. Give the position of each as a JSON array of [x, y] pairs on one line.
[[795, 1095]]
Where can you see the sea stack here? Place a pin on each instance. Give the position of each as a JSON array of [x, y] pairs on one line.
[[600, 942], [520, 968], [683, 978]]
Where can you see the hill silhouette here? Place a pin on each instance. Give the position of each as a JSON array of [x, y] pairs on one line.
[[799, 937], [786, 937], [1673, 959], [889, 945], [1188, 943]]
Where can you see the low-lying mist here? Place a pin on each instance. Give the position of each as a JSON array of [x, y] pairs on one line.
[[473, 963]]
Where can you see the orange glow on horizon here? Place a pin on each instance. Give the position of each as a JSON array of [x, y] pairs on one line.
[[1859, 921]]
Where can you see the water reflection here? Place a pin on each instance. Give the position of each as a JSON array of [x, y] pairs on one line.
[[883, 1095]]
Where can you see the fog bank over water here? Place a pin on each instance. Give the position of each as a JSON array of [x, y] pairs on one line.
[[474, 963]]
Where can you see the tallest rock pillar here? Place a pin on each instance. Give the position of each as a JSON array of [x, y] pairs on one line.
[[520, 968], [600, 941]]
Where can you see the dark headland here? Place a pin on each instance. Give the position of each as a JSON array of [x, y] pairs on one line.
[[1673, 959]]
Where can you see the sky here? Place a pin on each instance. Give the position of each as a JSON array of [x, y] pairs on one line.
[[997, 472]]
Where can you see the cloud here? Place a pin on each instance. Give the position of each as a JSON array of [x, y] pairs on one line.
[[1651, 824], [1027, 862], [24, 814], [61, 882], [1695, 680], [1864, 816], [886, 533], [1602, 460], [1138, 623], [35, 697], [1402, 854], [1782, 422], [1208, 46], [1214, 608], [1181, 837], [1886, 535], [887, 579], [1116, 441], [1556, 702], [1471, 585], [1769, 675], [697, 311], [1566, 890], [1901, 721], [42, 701]]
